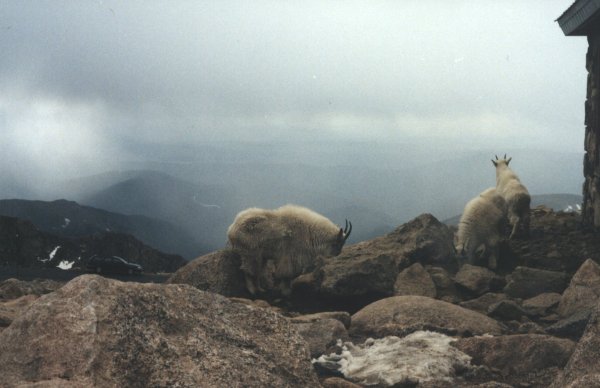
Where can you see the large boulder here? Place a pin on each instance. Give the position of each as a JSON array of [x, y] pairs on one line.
[[583, 291], [368, 270], [100, 332], [583, 368], [517, 354], [401, 315], [217, 272], [527, 282]]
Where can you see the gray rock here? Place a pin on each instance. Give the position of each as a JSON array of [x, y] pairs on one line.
[[483, 303], [583, 290], [321, 334], [542, 304], [517, 354], [527, 282], [401, 315], [415, 280], [571, 327], [100, 332], [444, 284], [217, 272], [506, 310], [478, 280]]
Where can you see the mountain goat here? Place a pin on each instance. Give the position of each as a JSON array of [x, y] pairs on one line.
[[281, 244], [481, 225], [515, 194]]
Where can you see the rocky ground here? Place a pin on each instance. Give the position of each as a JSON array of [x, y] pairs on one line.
[[392, 311]]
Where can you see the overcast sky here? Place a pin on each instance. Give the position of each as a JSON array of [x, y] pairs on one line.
[[87, 82]]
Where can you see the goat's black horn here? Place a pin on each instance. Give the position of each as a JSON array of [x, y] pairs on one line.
[[347, 234]]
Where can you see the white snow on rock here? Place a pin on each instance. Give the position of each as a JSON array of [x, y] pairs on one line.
[[418, 357], [65, 264], [67, 222]]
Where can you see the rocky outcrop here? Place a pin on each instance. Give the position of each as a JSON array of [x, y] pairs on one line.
[[368, 271], [217, 272], [583, 368], [402, 315], [321, 334], [11, 309], [100, 332]]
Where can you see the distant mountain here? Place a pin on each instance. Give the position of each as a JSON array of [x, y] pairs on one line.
[[69, 219], [22, 244], [557, 202], [203, 211]]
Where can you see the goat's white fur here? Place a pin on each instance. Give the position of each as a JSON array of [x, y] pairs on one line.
[[517, 198], [289, 239], [481, 225]]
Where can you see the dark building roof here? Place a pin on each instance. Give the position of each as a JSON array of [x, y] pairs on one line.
[[581, 18]]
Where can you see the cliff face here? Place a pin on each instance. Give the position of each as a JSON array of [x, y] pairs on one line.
[[591, 163]]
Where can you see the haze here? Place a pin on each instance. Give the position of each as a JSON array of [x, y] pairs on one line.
[[398, 104]]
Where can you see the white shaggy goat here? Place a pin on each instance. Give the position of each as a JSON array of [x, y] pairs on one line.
[[515, 194], [482, 225], [281, 244]]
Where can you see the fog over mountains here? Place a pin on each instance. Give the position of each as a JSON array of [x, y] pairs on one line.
[[377, 186]]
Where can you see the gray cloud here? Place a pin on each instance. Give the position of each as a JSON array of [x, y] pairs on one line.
[[92, 79]]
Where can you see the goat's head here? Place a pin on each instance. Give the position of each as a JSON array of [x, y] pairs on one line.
[[341, 238], [501, 162]]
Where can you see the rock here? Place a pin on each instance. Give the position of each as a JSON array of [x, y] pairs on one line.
[[14, 288], [542, 304], [583, 368], [11, 309], [517, 354], [321, 334], [571, 327], [414, 280], [583, 291], [478, 280], [401, 315], [482, 304], [506, 310], [96, 331], [217, 272], [367, 271], [527, 282], [341, 316]]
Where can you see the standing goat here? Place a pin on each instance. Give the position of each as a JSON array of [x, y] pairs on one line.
[[281, 244], [481, 226], [515, 194]]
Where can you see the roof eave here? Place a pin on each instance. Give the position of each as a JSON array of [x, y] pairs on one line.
[[582, 17]]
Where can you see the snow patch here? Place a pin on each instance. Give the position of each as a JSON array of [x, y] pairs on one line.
[[573, 208], [418, 357], [53, 253], [67, 222], [50, 256], [65, 264]]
